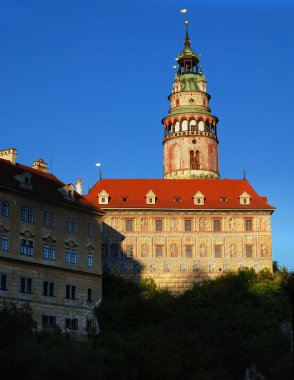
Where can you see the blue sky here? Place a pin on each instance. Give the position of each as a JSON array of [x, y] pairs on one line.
[[86, 81]]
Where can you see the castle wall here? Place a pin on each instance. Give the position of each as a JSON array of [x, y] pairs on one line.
[[176, 257]]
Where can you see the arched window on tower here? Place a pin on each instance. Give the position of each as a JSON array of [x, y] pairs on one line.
[[197, 159], [194, 160], [192, 125], [207, 126], [212, 128]]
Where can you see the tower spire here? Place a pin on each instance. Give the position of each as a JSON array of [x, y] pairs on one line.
[[187, 39]]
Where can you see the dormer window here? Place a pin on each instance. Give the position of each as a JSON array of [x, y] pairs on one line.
[[103, 198], [68, 191], [178, 199], [150, 198], [25, 180], [124, 199], [245, 198], [199, 199]]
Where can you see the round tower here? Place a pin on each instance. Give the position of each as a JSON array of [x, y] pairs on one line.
[[190, 130]]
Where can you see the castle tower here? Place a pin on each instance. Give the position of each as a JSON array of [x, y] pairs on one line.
[[190, 132]]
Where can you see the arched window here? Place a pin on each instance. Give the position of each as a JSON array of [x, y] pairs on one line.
[[212, 128], [192, 125], [197, 156], [177, 102], [207, 126], [192, 159]]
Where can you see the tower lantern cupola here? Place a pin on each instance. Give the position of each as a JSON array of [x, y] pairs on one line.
[[190, 130], [187, 60]]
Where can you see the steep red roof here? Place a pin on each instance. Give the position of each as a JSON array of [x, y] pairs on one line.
[[166, 190], [44, 185]]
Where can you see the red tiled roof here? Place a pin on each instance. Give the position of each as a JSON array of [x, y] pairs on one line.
[[166, 190], [44, 185]]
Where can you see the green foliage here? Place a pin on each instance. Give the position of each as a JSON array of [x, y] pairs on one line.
[[217, 330]]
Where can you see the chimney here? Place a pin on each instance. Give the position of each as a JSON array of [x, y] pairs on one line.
[[41, 165], [9, 155], [79, 186]]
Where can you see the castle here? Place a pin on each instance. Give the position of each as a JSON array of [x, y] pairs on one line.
[[191, 224]]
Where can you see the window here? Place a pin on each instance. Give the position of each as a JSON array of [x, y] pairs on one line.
[[3, 282], [114, 250], [177, 199], [90, 259], [49, 219], [71, 324], [71, 255], [217, 251], [188, 225], [158, 225], [89, 295], [4, 243], [216, 225], [70, 292], [129, 225], [26, 285], [48, 321], [189, 251], [71, 224], [48, 289], [49, 251], [27, 214], [4, 208], [158, 251], [129, 250], [90, 324], [248, 250], [248, 224], [26, 247], [90, 229]]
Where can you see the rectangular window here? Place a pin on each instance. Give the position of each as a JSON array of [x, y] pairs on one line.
[[4, 243], [70, 292], [48, 289], [216, 225], [158, 251], [71, 224], [188, 225], [4, 208], [3, 282], [26, 285], [129, 225], [248, 224], [71, 255], [26, 247], [49, 219], [189, 251], [27, 214], [71, 324], [90, 259], [158, 225], [90, 229], [89, 295], [248, 250], [49, 251], [48, 321], [217, 251]]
